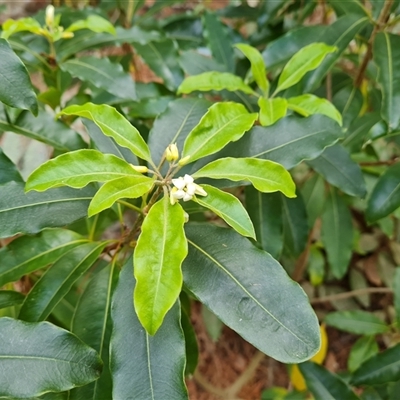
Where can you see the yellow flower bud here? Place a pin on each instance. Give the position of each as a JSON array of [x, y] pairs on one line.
[[171, 152], [49, 15], [140, 168], [68, 35], [183, 161]]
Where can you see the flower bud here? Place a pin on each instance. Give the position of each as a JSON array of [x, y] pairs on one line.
[[186, 216], [183, 161], [50, 15], [171, 152], [140, 168], [67, 35]]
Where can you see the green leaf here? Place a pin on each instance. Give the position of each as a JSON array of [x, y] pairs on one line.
[[385, 196], [289, 141], [95, 23], [113, 124], [308, 104], [396, 294], [162, 58], [103, 74], [363, 349], [266, 307], [44, 129], [159, 374], [313, 193], [229, 208], [16, 87], [338, 34], [28, 254], [257, 65], [194, 63], [57, 281], [271, 110], [316, 266], [12, 26], [358, 322], [214, 80], [9, 298], [157, 259], [336, 166], [266, 176], [121, 188], [325, 385], [265, 210], [77, 169], [223, 123], [92, 324], [31, 212], [337, 234], [8, 171], [386, 52], [173, 126], [349, 7], [218, 40], [37, 358], [379, 369], [306, 59]]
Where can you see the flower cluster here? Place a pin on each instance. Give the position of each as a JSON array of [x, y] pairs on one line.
[[185, 189]]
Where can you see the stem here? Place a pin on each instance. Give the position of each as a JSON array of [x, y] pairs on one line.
[[131, 206], [93, 227], [353, 293], [378, 163]]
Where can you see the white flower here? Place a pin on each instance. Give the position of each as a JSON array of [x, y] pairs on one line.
[[185, 189], [49, 15]]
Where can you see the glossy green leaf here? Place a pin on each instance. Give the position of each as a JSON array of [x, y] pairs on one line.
[[386, 52], [313, 193], [194, 63], [358, 322], [16, 87], [113, 124], [8, 171], [337, 234], [10, 298], [57, 281], [306, 59], [338, 34], [266, 307], [157, 259], [385, 196], [44, 129], [265, 211], [229, 208], [289, 141], [396, 294], [94, 23], [144, 366], [363, 349], [266, 176], [77, 169], [121, 188], [271, 110], [92, 324], [257, 65], [308, 104], [214, 80], [103, 74], [28, 254], [325, 385], [37, 358], [336, 166], [31, 212], [173, 126], [349, 7], [349, 101], [162, 58], [379, 369], [222, 123]]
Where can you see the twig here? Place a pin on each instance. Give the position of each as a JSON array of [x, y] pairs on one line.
[[301, 262], [203, 382], [377, 163], [352, 293]]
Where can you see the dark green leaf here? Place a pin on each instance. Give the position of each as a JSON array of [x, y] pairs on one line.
[[349, 7], [396, 294], [31, 212], [363, 349], [37, 358], [313, 193], [194, 63], [8, 171], [265, 307], [349, 101], [144, 366], [16, 87], [57, 281], [191, 346], [10, 298]]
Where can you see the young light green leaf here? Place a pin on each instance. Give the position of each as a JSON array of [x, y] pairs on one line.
[[309, 104], [266, 176], [271, 110], [94, 23], [229, 208], [357, 321], [223, 123], [158, 256], [306, 59], [12, 26], [127, 187], [363, 349], [78, 168], [61, 360], [214, 80], [16, 87], [113, 124], [257, 66]]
